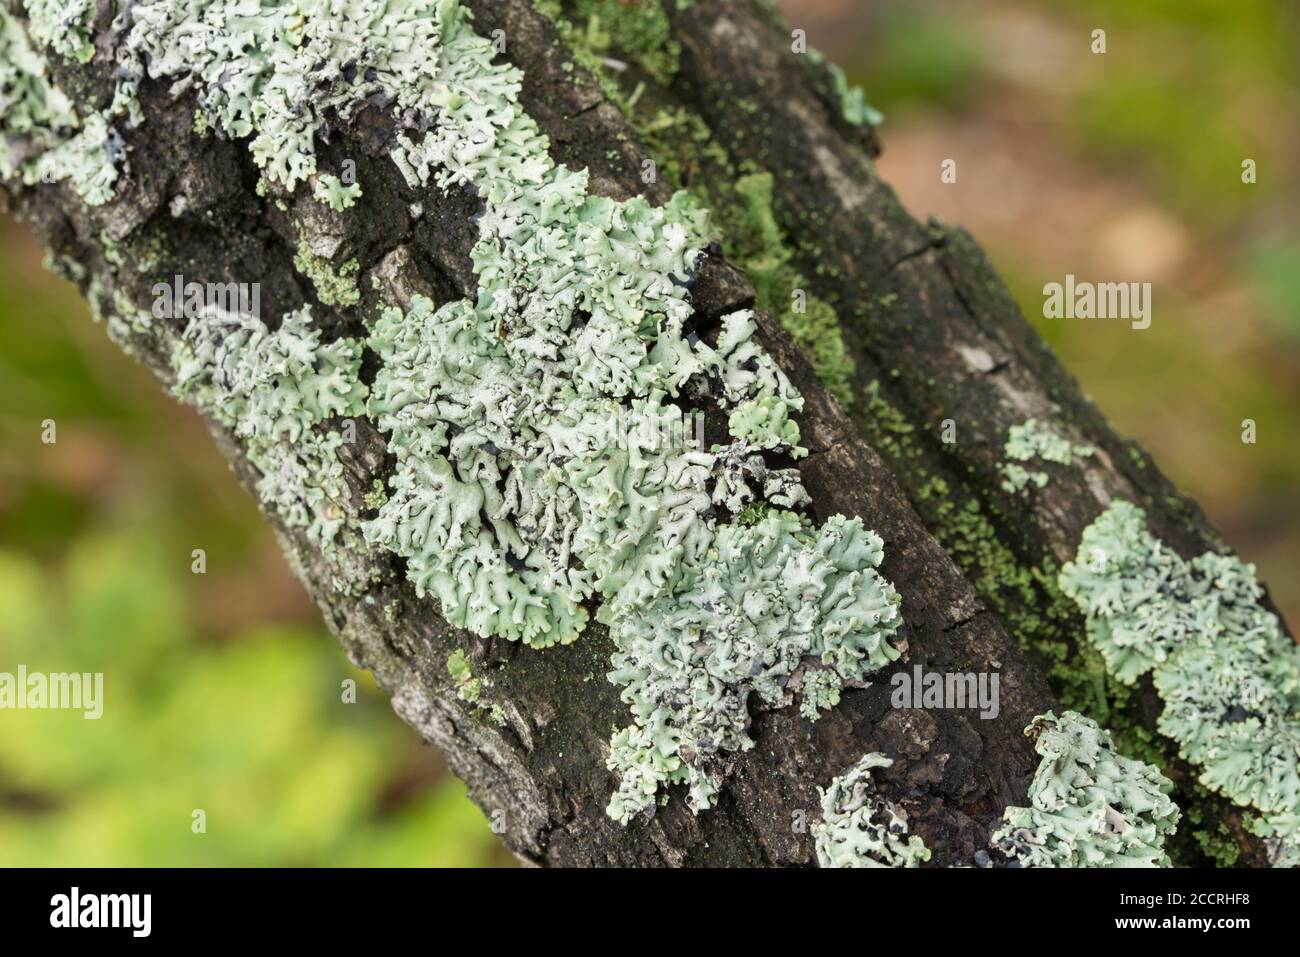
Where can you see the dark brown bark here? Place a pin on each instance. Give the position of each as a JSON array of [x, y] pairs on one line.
[[544, 769]]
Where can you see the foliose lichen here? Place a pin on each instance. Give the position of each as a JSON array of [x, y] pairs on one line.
[[533, 479], [274, 390], [1089, 805], [331, 191], [522, 492], [63, 25], [765, 600], [1027, 441], [1228, 676], [45, 137], [272, 70], [862, 828]]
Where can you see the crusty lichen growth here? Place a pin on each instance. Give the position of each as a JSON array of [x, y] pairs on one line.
[[1089, 805], [1229, 678], [862, 828], [1028, 441]]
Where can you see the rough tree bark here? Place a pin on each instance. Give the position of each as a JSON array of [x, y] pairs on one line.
[[934, 336]]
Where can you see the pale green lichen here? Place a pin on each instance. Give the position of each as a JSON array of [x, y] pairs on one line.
[[819, 690], [1028, 441], [63, 25], [331, 191], [1089, 805], [513, 501], [274, 390], [45, 137], [1228, 676], [514, 498], [519, 497], [766, 424], [744, 617], [272, 71], [862, 828], [853, 101]]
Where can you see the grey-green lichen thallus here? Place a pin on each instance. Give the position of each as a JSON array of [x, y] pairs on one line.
[[512, 502], [533, 486]]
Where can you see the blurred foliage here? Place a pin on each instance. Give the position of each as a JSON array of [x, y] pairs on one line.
[[919, 60], [1275, 271], [1123, 166], [1182, 96], [222, 691]]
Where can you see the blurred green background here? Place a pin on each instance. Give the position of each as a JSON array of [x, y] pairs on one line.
[[223, 690]]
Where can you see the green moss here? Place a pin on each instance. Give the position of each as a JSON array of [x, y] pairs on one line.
[[885, 427], [758, 245], [638, 30]]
